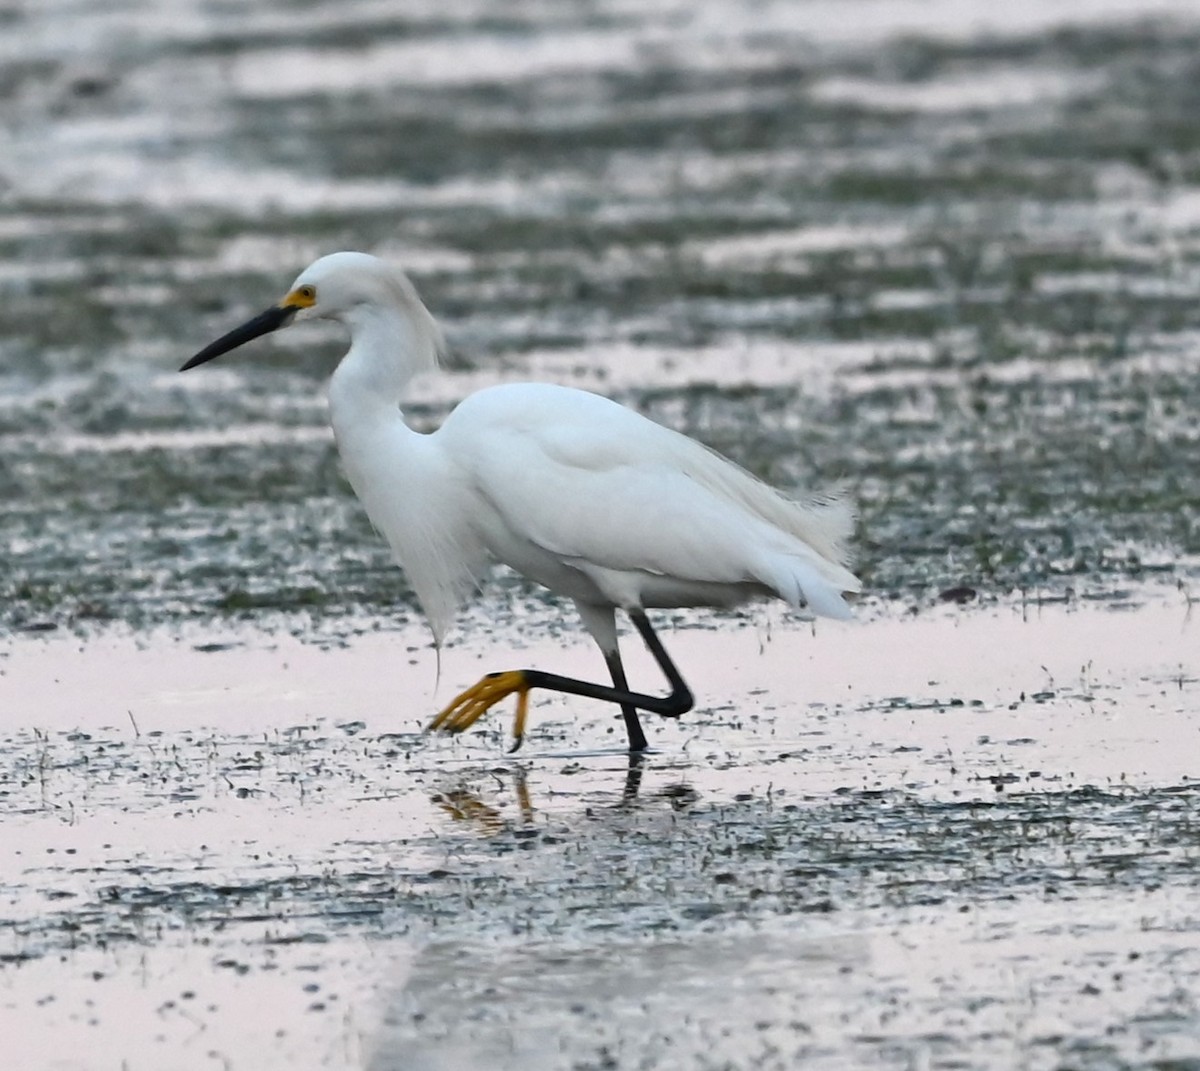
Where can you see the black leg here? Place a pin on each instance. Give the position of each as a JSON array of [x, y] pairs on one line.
[[470, 705], [679, 702], [633, 727]]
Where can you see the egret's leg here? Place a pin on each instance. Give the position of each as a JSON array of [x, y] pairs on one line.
[[680, 701], [633, 727], [467, 707]]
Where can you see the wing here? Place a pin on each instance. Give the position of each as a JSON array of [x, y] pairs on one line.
[[608, 491]]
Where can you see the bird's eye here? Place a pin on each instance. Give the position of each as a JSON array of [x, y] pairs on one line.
[[309, 293]]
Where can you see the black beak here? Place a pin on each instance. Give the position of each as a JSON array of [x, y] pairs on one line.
[[264, 323]]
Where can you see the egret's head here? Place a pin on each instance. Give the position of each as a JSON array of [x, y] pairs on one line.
[[338, 286]]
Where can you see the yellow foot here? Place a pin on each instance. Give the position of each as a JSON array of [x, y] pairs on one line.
[[466, 709]]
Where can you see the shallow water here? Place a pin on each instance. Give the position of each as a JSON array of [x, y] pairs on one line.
[[944, 253], [848, 854]]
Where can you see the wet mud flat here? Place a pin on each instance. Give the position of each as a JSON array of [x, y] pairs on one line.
[[242, 852], [954, 268]]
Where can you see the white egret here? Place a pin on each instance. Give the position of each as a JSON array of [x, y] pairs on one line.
[[584, 496]]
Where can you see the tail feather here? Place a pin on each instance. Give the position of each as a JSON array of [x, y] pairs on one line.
[[818, 584], [824, 521]]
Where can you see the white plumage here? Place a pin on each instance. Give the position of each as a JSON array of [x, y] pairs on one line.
[[570, 489]]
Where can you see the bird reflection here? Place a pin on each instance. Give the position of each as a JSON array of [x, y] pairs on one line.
[[633, 779], [465, 804], [469, 803]]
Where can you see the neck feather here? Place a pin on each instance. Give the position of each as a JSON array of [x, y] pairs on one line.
[[388, 346]]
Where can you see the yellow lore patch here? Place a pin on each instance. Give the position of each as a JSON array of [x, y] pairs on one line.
[[303, 297]]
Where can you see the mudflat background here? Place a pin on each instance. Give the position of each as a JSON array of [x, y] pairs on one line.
[[944, 254]]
